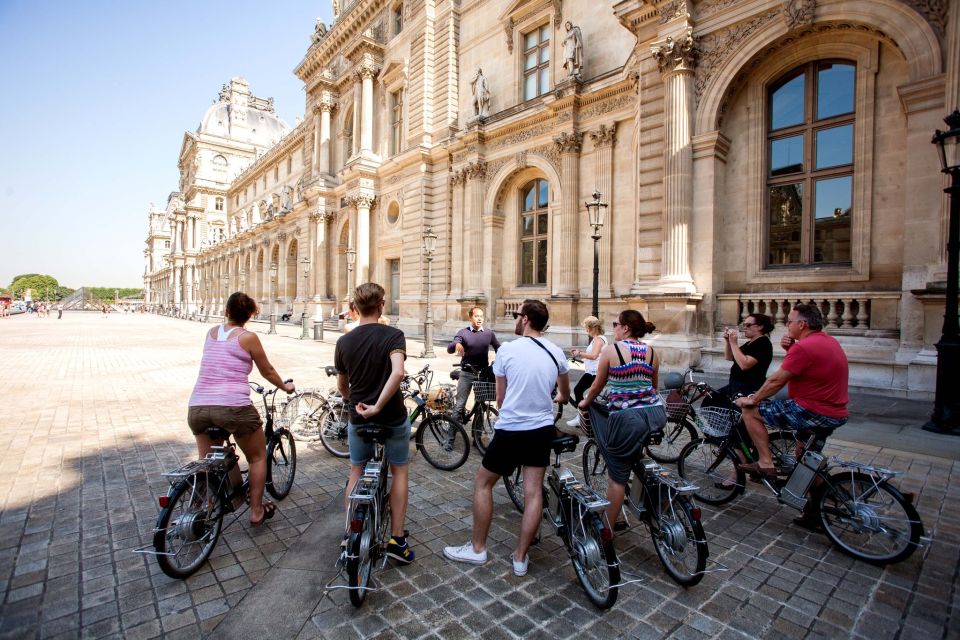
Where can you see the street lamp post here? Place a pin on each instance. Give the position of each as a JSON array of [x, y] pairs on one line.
[[226, 293], [273, 306], [946, 403], [206, 297], [305, 264], [596, 211], [429, 247], [351, 260]]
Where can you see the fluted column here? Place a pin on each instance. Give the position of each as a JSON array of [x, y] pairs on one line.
[[366, 72], [604, 140], [676, 60], [476, 173], [458, 251], [321, 151], [357, 108], [361, 270], [568, 144], [281, 288]]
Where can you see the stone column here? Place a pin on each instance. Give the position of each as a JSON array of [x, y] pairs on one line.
[[356, 119], [361, 270], [366, 73], [458, 249], [568, 144], [476, 173], [676, 61], [322, 123], [317, 123], [281, 288], [604, 140]]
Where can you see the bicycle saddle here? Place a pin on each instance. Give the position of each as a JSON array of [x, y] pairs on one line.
[[378, 433], [217, 434], [565, 443]]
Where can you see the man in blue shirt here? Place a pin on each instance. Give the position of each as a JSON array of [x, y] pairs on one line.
[[472, 344]]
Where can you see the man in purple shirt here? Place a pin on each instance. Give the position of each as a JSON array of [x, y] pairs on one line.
[[472, 344]]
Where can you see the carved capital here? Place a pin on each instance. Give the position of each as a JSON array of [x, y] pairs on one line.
[[458, 177], [476, 170], [568, 142], [367, 69], [605, 136], [327, 102], [363, 201], [282, 236], [675, 55], [798, 13]]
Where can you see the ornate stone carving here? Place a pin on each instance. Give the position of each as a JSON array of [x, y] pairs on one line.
[[606, 135], [476, 170], [282, 236], [366, 70], [521, 136], [676, 55], [327, 101], [716, 47], [671, 10], [508, 30], [481, 94], [557, 13], [319, 31], [522, 159], [569, 142], [933, 11], [706, 8], [458, 177], [573, 51], [550, 153], [494, 166], [363, 201], [606, 106], [798, 13]]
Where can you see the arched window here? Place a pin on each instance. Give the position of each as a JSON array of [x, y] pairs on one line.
[[219, 163], [534, 222], [810, 165]]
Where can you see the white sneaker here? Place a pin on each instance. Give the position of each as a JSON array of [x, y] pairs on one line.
[[465, 554], [520, 568], [574, 422]]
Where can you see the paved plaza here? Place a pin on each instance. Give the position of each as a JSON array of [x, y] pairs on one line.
[[95, 411]]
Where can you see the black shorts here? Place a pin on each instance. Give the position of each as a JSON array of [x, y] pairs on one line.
[[511, 449]]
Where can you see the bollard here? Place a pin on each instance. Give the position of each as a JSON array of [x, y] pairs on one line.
[[318, 330], [304, 335]]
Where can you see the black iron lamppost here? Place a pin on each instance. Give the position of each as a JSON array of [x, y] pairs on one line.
[[596, 211], [305, 264], [429, 248], [273, 301], [946, 403], [206, 299]]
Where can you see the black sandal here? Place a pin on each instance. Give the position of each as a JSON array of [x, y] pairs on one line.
[[269, 510]]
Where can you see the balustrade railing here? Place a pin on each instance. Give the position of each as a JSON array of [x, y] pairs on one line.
[[854, 312]]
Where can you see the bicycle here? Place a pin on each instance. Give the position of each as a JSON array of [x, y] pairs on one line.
[[857, 508], [439, 437], [661, 500], [681, 428], [202, 492], [577, 513], [483, 415], [324, 415]]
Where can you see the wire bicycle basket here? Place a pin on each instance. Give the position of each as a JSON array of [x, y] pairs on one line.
[[717, 421]]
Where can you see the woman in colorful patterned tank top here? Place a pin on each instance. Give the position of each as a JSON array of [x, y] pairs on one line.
[[630, 369], [221, 396]]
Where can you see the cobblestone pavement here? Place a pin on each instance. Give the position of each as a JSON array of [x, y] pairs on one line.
[[95, 412]]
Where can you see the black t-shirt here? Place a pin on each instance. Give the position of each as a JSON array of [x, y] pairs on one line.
[[364, 355], [753, 378]]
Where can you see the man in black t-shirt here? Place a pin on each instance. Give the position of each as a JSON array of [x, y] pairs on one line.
[[369, 360]]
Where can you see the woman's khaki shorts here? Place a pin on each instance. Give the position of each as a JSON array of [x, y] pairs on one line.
[[240, 421]]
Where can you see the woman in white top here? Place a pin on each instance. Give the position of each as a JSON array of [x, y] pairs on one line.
[[591, 358]]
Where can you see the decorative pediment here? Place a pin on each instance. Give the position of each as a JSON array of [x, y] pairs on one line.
[[520, 10]]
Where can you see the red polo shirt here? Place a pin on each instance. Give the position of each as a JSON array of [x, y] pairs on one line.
[[820, 373]]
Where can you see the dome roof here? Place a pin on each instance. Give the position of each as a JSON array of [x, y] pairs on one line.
[[240, 116]]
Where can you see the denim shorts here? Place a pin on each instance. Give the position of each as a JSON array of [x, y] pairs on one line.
[[396, 448], [787, 414]]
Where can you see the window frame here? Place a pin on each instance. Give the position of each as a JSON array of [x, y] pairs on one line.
[[396, 19], [536, 236], [219, 203], [537, 69], [395, 112]]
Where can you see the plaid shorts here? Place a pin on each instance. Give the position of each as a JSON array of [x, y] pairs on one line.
[[787, 414]]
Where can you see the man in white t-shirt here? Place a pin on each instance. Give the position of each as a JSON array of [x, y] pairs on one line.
[[526, 371]]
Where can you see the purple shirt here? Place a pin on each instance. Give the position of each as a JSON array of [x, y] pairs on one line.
[[476, 345]]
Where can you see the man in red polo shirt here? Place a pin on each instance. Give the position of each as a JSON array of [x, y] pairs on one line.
[[816, 372]]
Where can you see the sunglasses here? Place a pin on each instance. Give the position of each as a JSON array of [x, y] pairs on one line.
[[747, 325], [517, 314], [616, 324]]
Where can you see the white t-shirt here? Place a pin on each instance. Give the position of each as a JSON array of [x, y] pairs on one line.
[[592, 366], [531, 375]]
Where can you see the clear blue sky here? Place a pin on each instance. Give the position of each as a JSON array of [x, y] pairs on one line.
[[96, 96]]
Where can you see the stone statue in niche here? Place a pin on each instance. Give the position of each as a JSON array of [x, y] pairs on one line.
[[573, 51], [319, 30], [287, 201], [481, 94]]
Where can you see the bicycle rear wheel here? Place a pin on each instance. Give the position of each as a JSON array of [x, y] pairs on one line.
[[281, 463], [679, 540], [513, 483], [443, 442], [333, 430], [868, 519], [484, 423], [713, 468], [189, 527], [595, 560], [305, 423], [676, 435], [359, 558], [594, 467]]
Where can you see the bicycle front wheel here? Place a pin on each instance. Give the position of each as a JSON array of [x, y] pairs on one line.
[[443, 442], [189, 527], [333, 430], [484, 423], [594, 467], [305, 423], [868, 519], [281, 464], [679, 540], [676, 435], [595, 560], [713, 468], [513, 483], [359, 558]]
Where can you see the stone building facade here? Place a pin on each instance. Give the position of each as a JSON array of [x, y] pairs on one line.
[[753, 153]]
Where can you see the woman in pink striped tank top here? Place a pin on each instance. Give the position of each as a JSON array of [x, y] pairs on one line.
[[221, 396]]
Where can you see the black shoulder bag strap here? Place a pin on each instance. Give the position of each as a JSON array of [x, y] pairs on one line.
[[540, 344]]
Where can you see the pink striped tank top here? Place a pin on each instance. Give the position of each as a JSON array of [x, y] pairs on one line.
[[224, 370]]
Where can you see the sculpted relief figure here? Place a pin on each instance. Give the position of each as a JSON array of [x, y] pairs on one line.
[[573, 51], [319, 31], [481, 94]]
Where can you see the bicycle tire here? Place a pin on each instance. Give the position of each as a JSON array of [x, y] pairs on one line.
[[679, 540], [281, 463], [855, 511], [595, 561], [709, 464], [333, 430], [484, 423], [783, 450], [443, 442], [192, 520], [513, 483], [594, 467], [359, 559], [305, 425], [676, 435]]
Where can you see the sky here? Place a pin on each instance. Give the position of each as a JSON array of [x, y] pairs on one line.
[[96, 97]]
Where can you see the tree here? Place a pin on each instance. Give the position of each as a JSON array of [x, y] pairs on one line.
[[40, 285]]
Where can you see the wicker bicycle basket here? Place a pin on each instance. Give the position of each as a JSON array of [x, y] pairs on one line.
[[485, 391], [676, 409], [717, 421], [442, 397]]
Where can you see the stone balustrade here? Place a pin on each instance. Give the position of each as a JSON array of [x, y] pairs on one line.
[[850, 312]]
